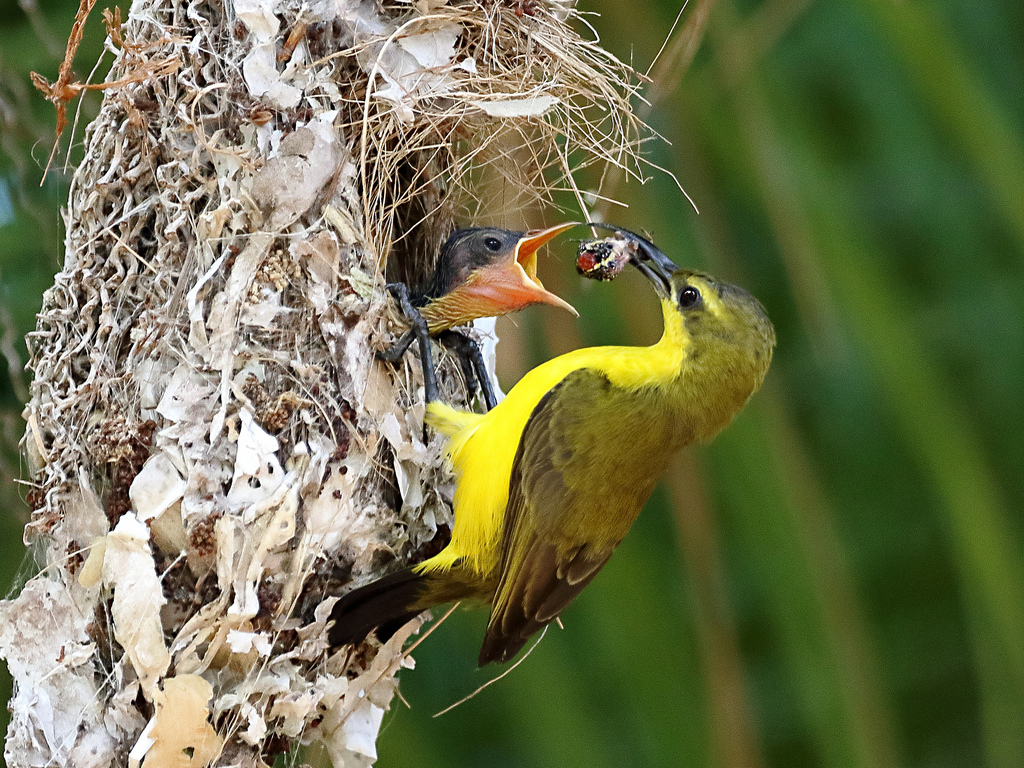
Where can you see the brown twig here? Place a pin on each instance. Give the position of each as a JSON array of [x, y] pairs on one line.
[[63, 90]]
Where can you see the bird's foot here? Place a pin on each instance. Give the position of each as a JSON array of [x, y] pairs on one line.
[[471, 360], [418, 332]]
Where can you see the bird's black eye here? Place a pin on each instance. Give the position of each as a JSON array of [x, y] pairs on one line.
[[492, 244], [689, 297]]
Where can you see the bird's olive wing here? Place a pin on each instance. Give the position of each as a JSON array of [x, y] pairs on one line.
[[587, 461]]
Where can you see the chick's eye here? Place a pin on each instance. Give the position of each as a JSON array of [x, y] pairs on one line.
[[689, 297], [492, 244]]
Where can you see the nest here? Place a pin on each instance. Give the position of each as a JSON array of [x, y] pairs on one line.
[[215, 454]]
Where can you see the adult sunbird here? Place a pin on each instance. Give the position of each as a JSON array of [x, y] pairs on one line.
[[551, 479], [480, 272]]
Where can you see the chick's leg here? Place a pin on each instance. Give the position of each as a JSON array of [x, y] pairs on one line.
[[471, 360], [420, 333], [394, 353]]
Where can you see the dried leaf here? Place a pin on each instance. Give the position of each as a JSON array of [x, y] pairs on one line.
[[157, 486], [532, 106], [129, 570], [180, 733]]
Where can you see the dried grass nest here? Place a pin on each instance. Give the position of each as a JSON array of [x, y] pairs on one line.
[[213, 449]]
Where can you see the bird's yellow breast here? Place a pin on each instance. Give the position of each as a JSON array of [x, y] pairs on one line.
[[482, 447]]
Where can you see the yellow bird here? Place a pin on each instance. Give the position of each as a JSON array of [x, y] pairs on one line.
[[552, 478]]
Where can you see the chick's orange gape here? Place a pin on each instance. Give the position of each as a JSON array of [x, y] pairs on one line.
[[534, 518], [480, 272]]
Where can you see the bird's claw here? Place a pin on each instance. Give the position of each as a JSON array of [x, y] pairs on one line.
[[418, 332], [471, 360]]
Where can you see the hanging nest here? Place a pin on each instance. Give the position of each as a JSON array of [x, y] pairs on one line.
[[215, 453]]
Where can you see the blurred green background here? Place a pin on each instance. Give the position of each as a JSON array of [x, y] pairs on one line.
[[838, 579]]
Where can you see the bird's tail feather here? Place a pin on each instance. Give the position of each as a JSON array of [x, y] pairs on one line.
[[383, 605], [451, 421]]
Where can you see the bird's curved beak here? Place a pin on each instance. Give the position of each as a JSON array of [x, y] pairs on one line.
[[652, 263]]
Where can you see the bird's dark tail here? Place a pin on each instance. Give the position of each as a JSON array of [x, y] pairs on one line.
[[383, 605]]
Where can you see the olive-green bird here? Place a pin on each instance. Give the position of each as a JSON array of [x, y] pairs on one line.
[[551, 479], [480, 272]]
